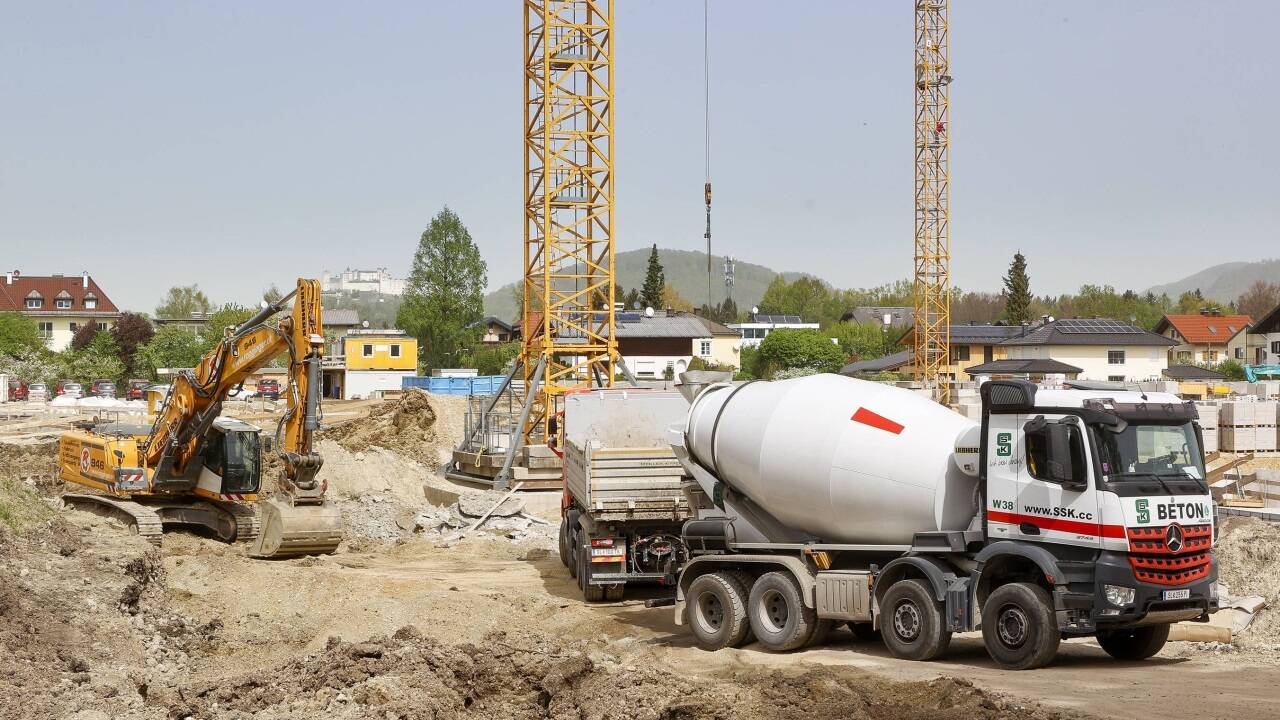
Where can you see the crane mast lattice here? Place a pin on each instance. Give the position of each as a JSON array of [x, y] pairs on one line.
[[932, 285]]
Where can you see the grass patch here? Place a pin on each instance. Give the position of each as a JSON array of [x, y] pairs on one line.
[[20, 506]]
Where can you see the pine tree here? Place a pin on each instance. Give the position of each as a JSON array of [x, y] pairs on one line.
[[1017, 288], [655, 282]]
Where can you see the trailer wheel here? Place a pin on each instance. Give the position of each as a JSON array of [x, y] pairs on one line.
[[911, 622], [573, 540], [614, 592], [1019, 627], [820, 633], [716, 611], [1134, 644], [779, 618], [564, 541], [590, 593]]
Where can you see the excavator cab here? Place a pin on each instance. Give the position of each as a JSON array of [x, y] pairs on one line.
[[232, 459]]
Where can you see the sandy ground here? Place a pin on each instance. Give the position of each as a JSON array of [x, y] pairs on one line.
[[96, 624]]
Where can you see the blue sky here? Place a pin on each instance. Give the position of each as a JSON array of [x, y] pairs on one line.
[[236, 144]]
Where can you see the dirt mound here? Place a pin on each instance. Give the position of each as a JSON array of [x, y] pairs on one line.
[[1248, 554], [409, 677], [405, 426], [25, 472]]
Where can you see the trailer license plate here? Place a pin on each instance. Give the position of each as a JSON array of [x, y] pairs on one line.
[[608, 552], [1177, 594]]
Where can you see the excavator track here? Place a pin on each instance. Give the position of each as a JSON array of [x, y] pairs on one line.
[[247, 524], [144, 520]]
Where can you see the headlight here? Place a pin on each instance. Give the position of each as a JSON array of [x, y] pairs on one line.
[[1118, 594]]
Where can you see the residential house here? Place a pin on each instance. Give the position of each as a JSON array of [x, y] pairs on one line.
[[375, 281], [373, 360], [878, 315], [1035, 370], [970, 344], [496, 330], [754, 331], [1102, 349], [59, 304], [1267, 334], [1207, 338], [650, 346]]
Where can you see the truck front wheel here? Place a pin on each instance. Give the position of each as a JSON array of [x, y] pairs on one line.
[[716, 610], [779, 618], [1019, 627], [1134, 644], [911, 622]]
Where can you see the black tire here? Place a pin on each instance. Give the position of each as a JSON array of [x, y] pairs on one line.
[[863, 631], [1019, 627], [614, 592], [716, 611], [779, 618], [1135, 643], [590, 592], [911, 622], [820, 633], [564, 540], [572, 537], [744, 580]]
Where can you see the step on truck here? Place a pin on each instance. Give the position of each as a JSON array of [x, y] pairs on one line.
[[824, 500], [623, 504]]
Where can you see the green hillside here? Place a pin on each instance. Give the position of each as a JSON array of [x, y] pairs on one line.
[[1224, 282], [686, 271]]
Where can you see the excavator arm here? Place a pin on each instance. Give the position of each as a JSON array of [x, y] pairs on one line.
[[297, 520]]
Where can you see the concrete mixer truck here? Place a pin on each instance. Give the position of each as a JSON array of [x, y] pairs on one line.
[[1070, 512]]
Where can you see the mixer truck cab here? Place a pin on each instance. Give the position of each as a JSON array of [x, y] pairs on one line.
[[1072, 512]]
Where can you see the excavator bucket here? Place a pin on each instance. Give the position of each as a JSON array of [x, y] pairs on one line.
[[290, 530]]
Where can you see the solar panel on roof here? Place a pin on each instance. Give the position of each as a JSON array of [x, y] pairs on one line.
[[1095, 325], [627, 317]]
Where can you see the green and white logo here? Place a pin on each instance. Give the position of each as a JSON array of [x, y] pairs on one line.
[[1143, 506], [1004, 444]]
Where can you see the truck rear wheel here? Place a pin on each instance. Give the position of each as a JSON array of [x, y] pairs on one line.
[[1019, 627], [590, 592], [1134, 644], [779, 618], [716, 611], [911, 622]]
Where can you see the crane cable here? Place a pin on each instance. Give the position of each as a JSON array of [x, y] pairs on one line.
[[706, 113]]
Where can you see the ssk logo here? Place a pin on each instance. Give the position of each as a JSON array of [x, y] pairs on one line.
[[1143, 507], [1173, 538], [1004, 444]]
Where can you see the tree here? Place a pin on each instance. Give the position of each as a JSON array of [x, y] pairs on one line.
[[181, 301], [861, 341], [100, 359], [84, 336], [30, 365], [229, 315], [1259, 299], [655, 281], [790, 348], [674, 300], [1017, 291], [170, 347], [444, 296], [19, 334], [633, 301], [272, 294], [131, 332], [489, 358]]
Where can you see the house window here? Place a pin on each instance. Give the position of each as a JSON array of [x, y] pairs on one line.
[[1184, 356], [90, 303], [34, 303], [1275, 346], [102, 326], [395, 350], [1115, 357], [74, 327], [367, 350], [1115, 378], [1239, 353], [960, 353], [62, 303], [1211, 355], [46, 329], [704, 348]]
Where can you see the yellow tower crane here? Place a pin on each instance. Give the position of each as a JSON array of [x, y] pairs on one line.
[[932, 286]]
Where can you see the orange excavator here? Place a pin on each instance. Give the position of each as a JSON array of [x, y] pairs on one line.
[[193, 467]]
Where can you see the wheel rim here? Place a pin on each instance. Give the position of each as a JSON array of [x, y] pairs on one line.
[[710, 613], [906, 621], [1011, 626], [773, 611]]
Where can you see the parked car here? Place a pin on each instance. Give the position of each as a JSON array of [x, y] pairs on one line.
[[38, 392], [70, 388], [269, 389], [17, 391], [136, 389], [103, 388]]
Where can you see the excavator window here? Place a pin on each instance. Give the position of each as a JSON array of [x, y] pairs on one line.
[[235, 456]]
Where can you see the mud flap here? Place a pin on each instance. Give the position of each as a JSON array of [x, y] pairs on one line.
[[290, 530]]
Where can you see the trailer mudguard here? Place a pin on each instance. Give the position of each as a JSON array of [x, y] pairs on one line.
[[939, 574]]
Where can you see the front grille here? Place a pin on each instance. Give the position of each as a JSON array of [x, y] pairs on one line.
[[1154, 562]]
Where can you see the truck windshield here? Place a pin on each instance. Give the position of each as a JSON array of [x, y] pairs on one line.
[[1141, 451]]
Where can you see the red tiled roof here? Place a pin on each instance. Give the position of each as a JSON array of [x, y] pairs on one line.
[[1205, 329], [13, 294]]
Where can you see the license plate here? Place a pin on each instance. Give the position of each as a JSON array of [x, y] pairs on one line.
[[1177, 594], [607, 552]]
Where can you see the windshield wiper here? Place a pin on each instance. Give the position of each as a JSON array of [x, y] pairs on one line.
[[1200, 483]]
